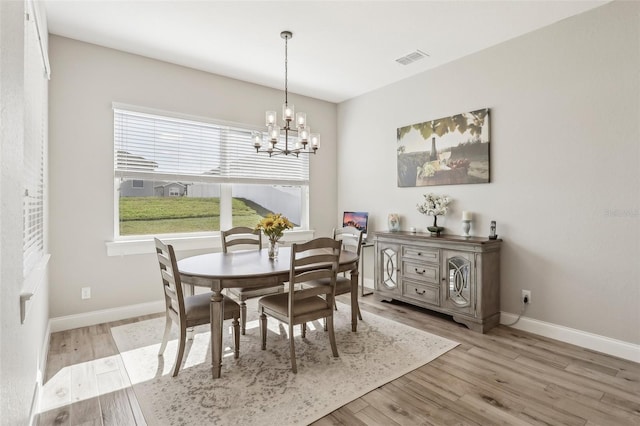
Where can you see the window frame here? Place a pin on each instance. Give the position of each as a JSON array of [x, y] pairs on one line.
[[225, 183]]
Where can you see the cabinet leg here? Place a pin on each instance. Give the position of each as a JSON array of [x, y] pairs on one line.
[[479, 327]]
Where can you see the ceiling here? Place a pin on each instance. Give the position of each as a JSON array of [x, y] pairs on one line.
[[339, 49]]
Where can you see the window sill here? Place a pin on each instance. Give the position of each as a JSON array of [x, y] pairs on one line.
[[31, 285], [211, 242]]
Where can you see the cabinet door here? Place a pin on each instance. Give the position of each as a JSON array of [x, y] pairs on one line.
[[458, 278], [387, 267]]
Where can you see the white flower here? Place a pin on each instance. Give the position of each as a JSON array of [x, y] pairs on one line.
[[434, 205]]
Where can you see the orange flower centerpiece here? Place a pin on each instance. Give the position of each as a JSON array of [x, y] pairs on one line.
[[273, 226]]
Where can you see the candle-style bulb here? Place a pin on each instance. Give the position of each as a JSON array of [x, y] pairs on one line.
[[288, 112], [270, 118]]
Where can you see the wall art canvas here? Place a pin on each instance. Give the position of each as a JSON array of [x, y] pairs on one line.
[[448, 151]]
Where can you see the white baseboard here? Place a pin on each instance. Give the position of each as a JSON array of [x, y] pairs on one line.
[[105, 315], [607, 345]]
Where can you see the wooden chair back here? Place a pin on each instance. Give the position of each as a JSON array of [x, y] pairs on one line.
[[313, 260], [351, 238], [172, 286], [241, 237]]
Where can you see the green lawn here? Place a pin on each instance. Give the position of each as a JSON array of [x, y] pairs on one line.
[[165, 215]]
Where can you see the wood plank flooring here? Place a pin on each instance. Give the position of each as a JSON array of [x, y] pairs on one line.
[[504, 377]]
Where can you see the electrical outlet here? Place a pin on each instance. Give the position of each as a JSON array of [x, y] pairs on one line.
[[526, 294], [86, 293]]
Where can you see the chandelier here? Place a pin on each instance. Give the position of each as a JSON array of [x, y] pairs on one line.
[[294, 124]]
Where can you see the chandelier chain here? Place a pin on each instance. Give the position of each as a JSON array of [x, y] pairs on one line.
[[286, 72]]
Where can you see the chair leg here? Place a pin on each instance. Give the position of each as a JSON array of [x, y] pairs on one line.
[[236, 338], [332, 336], [165, 338], [303, 328], [263, 330], [188, 289], [292, 350], [359, 313], [180, 354], [190, 333], [243, 316]]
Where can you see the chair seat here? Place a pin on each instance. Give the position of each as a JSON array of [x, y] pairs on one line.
[[248, 293], [343, 284], [280, 303], [198, 307]]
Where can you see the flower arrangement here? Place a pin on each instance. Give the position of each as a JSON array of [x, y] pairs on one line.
[[273, 225], [434, 205]]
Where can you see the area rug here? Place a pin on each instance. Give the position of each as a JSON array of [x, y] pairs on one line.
[[259, 388]]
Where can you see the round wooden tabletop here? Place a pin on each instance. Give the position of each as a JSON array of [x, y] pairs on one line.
[[246, 264]]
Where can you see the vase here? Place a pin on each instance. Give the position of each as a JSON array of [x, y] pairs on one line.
[[272, 249], [466, 226], [393, 221]]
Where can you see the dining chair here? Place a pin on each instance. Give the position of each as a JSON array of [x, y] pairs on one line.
[[243, 238], [314, 260], [351, 240], [187, 311]]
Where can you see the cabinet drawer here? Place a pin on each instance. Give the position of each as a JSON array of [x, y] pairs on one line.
[[421, 253], [420, 271], [423, 293]]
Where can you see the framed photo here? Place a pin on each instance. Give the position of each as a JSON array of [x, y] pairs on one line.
[[447, 151]]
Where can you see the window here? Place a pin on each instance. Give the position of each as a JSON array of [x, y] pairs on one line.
[[179, 174], [35, 133]]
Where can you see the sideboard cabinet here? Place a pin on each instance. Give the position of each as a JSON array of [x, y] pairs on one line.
[[458, 276]]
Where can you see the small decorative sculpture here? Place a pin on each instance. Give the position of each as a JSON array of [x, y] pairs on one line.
[[492, 231]]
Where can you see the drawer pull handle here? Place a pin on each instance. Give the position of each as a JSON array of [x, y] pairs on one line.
[[421, 293], [420, 272]]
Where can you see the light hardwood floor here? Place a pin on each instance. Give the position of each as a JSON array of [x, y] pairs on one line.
[[503, 377]]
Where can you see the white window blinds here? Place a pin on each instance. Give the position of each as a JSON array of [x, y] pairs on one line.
[[161, 146], [35, 133]]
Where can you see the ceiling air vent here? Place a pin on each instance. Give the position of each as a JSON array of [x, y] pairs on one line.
[[412, 57]]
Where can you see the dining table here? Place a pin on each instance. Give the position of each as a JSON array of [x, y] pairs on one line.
[[249, 269]]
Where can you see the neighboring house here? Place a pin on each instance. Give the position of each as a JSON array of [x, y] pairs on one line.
[[125, 161], [171, 189], [151, 188], [137, 188]]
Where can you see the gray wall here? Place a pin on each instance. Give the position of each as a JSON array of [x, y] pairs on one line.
[[21, 356], [564, 164], [85, 80]]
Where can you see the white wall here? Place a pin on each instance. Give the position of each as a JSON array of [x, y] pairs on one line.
[[565, 181], [85, 80], [22, 345]]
